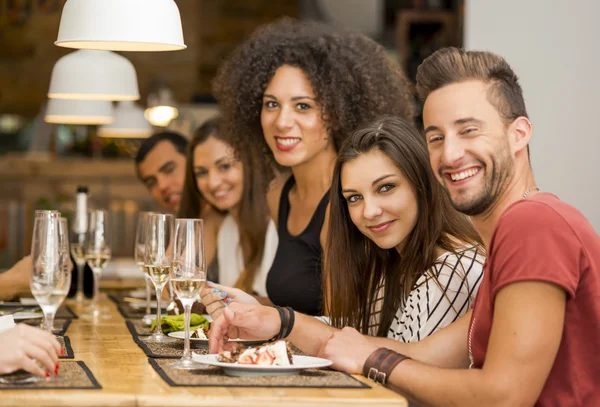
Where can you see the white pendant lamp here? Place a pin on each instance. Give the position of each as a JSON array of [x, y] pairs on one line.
[[94, 75], [69, 111], [121, 25], [129, 123], [161, 107]]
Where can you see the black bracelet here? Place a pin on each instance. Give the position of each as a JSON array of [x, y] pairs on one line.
[[282, 327], [290, 326]]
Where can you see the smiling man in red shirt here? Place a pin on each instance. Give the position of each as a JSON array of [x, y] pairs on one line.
[[533, 335]]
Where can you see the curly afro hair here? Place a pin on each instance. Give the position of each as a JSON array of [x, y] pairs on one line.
[[353, 79]]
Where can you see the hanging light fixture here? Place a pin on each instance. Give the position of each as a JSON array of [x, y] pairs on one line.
[[69, 111], [121, 25], [94, 75], [129, 123], [161, 107]]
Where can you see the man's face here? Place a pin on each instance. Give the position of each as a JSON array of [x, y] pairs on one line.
[[163, 173], [468, 145]]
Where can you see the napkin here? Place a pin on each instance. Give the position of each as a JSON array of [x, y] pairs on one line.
[[6, 322], [175, 323]]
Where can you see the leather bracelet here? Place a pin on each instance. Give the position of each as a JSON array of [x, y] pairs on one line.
[[290, 325], [381, 363], [282, 326], [284, 315], [374, 359]]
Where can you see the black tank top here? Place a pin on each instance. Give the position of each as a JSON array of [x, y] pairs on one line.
[[295, 276]]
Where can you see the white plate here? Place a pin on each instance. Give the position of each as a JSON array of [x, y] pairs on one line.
[[18, 316], [233, 369], [203, 343]]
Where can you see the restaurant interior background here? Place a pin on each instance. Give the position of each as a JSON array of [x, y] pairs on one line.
[[549, 44]]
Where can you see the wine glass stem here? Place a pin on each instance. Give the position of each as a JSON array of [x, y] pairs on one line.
[[96, 289], [159, 289], [49, 320], [187, 309], [148, 294], [79, 294]]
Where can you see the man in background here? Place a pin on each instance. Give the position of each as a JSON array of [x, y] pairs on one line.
[[160, 165]]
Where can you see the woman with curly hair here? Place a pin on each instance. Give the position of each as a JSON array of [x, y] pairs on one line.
[[290, 95], [241, 238]]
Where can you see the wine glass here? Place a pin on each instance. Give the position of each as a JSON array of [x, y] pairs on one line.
[[158, 256], [188, 276], [80, 225], [97, 254], [50, 280], [140, 247]]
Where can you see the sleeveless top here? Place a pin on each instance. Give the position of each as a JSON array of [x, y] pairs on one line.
[[295, 276], [231, 258]]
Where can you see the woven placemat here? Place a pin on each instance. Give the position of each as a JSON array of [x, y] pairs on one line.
[[138, 327], [159, 350], [214, 376], [65, 343], [65, 312], [60, 325], [73, 375]]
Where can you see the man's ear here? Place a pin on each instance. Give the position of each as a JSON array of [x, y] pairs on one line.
[[519, 133]]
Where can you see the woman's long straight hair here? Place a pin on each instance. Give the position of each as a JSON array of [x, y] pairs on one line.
[[355, 268], [253, 211]]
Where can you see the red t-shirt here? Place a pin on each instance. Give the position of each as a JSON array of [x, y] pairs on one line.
[[544, 239]]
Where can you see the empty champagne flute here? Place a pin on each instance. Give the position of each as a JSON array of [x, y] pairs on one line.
[[97, 255], [188, 276], [158, 256], [140, 247]]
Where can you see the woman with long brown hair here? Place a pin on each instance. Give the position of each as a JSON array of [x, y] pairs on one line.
[[240, 238], [402, 263]]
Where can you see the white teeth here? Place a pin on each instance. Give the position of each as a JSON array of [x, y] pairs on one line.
[[288, 141], [464, 174]]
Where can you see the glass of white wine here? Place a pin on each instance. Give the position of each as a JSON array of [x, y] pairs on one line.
[[51, 277], [188, 276], [158, 256], [97, 255], [140, 248]]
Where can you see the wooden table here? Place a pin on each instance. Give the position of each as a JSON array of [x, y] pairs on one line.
[[127, 379]]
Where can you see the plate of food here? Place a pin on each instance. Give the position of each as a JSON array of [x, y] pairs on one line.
[[19, 316], [200, 338], [269, 359]]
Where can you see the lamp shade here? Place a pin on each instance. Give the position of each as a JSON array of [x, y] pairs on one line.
[[129, 123], [69, 111], [94, 75], [121, 25], [161, 107]]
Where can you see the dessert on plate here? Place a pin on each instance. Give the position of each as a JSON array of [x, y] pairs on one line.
[[270, 354], [199, 333]]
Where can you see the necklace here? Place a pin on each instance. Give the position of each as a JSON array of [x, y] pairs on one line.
[[471, 360], [529, 191]]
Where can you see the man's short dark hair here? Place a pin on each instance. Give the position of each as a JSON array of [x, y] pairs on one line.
[[179, 142]]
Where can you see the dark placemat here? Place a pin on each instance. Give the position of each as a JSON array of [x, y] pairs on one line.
[[173, 350], [65, 343], [138, 327], [74, 375], [214, 376], [60, 325], [63, 312], [129, 312]]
